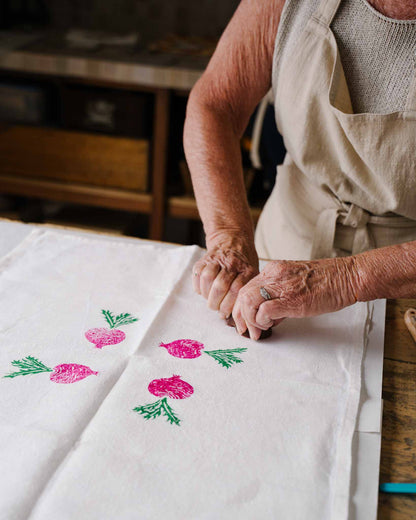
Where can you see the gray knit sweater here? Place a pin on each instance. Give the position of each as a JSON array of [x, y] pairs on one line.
[[378, 54]]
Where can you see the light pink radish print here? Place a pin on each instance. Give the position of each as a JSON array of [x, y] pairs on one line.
[[103, 336], [70, 373], [173, 387], [190, 349], [184, 348], [65, 373]]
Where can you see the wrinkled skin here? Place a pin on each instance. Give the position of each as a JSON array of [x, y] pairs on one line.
[[228, 265], [298, 289]]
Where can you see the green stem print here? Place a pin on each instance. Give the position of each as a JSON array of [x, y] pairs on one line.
[[28, 365], [226, 357], [121, 319], [160, 407]]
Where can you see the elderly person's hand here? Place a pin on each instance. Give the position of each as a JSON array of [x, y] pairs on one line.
[[297, 289], [231, 261]]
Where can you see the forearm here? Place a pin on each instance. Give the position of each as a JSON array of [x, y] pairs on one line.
[[212, 148], [388, 272], [236, 79]]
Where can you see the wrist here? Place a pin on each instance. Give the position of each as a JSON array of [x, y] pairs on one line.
[[234, 240], [350, 281]]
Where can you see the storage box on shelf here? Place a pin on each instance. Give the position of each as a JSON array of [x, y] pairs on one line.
[[95, 160]]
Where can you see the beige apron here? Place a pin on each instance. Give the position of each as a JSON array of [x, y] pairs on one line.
[[348, 182]]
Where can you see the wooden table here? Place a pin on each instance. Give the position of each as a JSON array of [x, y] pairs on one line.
[[398, 447]]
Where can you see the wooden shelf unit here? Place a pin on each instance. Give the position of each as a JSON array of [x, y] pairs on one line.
[[154, 202]]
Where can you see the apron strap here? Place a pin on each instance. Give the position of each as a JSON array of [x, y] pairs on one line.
[[358, 218], [326, 11], [324, 236]]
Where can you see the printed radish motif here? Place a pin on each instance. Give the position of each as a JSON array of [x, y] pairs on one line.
[[173, 387], [65, 373], [184, 348], [189, 349], [102, 336]]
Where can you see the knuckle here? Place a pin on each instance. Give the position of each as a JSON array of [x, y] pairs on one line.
[[206, 276], [220, 285], [247, 298], [277, 267], [202, 262]]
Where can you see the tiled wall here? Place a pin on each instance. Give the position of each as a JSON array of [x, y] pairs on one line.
[[152, 18]]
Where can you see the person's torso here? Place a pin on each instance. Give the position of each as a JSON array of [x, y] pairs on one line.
[[359, 150], [378, 54]]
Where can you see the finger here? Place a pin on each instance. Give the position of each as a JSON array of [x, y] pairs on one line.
[[220, 288], [254, 332], [269, 313], [207, 277], [228, 302], [196, 275], [251, 300], [240, 324]]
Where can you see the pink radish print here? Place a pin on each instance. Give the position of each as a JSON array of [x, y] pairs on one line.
[[184, 348], [102, 336], [173, 387], [65, 373], [190, 348]]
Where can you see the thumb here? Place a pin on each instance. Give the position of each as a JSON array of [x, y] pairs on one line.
[[270, 313]]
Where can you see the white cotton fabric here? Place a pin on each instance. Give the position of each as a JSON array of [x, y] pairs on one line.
[[267, 438], [52, 291]]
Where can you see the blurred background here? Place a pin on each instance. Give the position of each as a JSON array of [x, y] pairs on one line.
[[92, 106]]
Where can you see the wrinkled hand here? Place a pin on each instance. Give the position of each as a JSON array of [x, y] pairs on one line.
[[228, 265], [298, 289]]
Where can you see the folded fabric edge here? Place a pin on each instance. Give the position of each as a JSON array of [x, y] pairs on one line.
[[197, 253], [370, 410], [342, 481]]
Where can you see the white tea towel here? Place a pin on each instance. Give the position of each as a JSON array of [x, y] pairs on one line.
[[220, 427], [72, 311]]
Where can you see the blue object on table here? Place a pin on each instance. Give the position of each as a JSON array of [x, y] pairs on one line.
[[398, 487]]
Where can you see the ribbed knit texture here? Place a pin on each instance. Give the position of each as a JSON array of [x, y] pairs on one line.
[[378, 54]]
